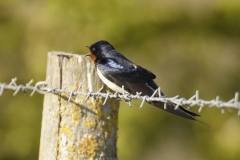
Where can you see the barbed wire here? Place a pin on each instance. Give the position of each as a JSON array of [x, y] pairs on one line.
[[41, 87]]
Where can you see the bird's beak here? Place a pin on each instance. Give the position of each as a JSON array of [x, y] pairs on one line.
[[89, 53]]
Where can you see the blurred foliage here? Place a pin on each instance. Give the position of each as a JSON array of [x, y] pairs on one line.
[[188, 44]]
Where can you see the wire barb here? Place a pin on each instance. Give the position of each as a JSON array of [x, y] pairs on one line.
[[106, 98], [144, 99], [88, 95], [165, 106], [70, 96]]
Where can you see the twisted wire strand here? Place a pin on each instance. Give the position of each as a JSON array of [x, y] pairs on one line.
[[41, 87]]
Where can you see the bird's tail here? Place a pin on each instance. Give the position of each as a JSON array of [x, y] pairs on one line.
[[180, 111]]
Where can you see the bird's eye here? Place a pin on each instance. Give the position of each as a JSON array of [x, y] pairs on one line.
[[93, 49]]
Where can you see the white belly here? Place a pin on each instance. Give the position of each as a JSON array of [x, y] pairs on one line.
[[110, 84]]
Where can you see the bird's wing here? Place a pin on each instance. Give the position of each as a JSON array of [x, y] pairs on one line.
[[134, 78], [124, 70]]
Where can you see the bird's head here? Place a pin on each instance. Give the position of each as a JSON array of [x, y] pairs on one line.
[[99, 50]]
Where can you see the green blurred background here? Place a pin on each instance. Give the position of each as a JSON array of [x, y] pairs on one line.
[[189, 45]]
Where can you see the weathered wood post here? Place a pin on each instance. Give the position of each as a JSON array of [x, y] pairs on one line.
[[76, 130]]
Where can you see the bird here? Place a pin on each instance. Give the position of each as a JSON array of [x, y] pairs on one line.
[[118, 72]]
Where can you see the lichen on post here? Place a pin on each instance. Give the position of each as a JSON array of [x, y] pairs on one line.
[[77, 129]]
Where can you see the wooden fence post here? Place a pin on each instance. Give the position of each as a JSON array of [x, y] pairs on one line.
[[76, 130]]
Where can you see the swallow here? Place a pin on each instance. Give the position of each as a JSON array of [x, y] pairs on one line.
[[115, 70]]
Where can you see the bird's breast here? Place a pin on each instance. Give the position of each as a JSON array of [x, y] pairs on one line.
[[93, 57]]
